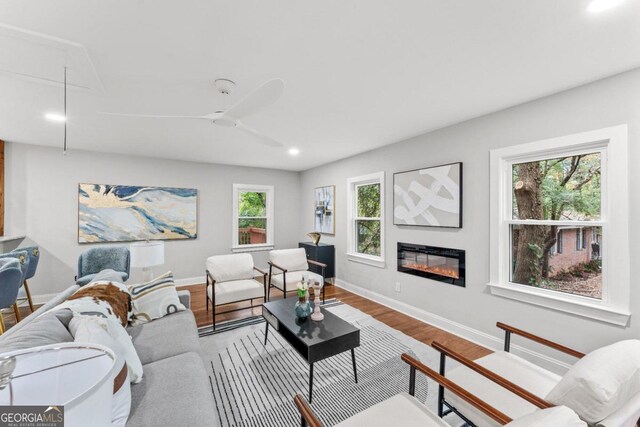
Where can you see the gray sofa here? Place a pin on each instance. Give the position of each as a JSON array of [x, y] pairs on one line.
[[175, 388]]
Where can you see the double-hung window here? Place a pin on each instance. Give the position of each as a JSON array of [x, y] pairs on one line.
[[366, 219], [547, 193], [252, 217]]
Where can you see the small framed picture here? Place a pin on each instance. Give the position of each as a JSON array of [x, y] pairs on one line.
[[324, 213]]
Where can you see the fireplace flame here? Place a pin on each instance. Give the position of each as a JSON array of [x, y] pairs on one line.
[[442, 271]]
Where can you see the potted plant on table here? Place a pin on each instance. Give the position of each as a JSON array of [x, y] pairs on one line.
[[303, 308]]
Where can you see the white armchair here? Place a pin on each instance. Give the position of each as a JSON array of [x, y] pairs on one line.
[[603, 387], [286, 268], [405, 410], [231, 279]]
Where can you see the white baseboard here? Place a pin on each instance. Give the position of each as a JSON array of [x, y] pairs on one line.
[[470, 334], [190, 281]]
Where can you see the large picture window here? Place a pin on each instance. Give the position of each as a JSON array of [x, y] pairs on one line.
[[366, 219], [252, 217], [556, 239]]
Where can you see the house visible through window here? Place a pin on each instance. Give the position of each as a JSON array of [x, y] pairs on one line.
[[253, 217], [366, 223]]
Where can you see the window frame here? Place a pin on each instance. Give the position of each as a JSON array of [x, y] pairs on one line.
[[560, 242], [352, 199], [247, 188], [613, 145]]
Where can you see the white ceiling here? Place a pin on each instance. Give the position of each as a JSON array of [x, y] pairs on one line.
[[359, 74]]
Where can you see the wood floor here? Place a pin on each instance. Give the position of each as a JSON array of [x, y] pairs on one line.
[[408, 325], [10, 318]]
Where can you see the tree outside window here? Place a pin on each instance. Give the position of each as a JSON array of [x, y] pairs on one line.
[[368, 219], [555, 201], [365, 227], [252, 217]]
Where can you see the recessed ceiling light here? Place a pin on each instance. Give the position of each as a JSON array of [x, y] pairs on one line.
[[54, 117], [294, 151], [601, 5]]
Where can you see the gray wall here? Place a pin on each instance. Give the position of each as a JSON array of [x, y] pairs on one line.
[[42, 184], [605, 103], [42, 201]]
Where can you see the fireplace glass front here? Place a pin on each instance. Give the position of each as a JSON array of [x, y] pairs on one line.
[[442, 264]]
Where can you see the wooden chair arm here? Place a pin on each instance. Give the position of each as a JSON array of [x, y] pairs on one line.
[[540, 340], [501, 381], [259, 270], [319, 264], [306, 412], [455, 388], [284, 270]]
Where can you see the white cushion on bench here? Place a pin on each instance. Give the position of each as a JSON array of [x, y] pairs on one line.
[[400, 410], [225, 268], [293, 279], [289, 259], [559, 416], [517, 370], [236, 290]]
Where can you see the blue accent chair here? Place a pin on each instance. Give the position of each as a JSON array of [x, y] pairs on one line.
[[10, 281], [93, 261], [33, 252], [23, 258]]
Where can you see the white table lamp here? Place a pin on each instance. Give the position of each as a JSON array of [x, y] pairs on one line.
[[147, 255], [76, 376]]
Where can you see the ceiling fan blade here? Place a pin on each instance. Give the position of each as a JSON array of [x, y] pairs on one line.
[[264, 139], [262, 97], [153, 116]]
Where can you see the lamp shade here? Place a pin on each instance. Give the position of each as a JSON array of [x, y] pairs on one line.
[[147, 254]]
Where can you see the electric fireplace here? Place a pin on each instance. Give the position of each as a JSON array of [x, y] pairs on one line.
[[442, 264]]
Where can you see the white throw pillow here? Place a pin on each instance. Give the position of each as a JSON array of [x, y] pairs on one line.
[[121, 404], [154, 299], [559, 416], [97, 330], [601, 382]]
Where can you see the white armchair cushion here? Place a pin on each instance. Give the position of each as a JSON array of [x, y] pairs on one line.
[[517, 370], [559, 416], [625, 416], [236, 290], [600, 383], [293, 279], [224, 268], [289, 259], [400, 410]]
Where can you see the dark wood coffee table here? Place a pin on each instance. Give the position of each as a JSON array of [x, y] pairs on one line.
[[314, 341]]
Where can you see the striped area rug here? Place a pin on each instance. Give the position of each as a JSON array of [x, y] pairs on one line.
[[254, 384]]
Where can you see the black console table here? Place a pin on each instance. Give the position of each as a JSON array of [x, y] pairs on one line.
[[323, 253]]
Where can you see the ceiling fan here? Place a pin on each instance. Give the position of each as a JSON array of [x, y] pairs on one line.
[[260, 98]]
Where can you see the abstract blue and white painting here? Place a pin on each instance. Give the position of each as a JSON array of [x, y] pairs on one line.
[[124, 213]]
